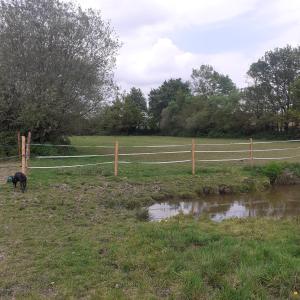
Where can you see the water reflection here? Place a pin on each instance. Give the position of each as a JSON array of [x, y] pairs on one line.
[[278, 202]]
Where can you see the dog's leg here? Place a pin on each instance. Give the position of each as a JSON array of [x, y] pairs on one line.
[[24, 186]]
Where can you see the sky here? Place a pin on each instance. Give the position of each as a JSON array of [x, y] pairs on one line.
[[163, 39]]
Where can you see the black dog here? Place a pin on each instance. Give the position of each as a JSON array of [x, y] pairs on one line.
[[19, 177]]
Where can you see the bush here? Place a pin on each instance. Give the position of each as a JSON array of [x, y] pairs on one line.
[[54, 150], [8, 144], [272, 171]]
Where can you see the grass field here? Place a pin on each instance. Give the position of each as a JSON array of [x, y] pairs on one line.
[[128, 145], [78, 233]]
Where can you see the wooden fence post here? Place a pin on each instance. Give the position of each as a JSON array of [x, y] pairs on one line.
[[23, 154], [193, 157], [19, 145], [28, 148], [251, 152], [116, 157]]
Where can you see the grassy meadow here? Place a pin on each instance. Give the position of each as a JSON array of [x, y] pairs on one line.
[[81, 234], [138, 144]]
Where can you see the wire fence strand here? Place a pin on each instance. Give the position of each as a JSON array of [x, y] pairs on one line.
[[133, 154]]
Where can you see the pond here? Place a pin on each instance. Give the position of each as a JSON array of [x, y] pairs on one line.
[[278, 202]]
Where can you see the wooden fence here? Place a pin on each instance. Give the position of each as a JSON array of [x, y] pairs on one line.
[[249, 154]]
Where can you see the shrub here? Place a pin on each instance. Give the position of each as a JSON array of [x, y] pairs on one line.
[[272, 171], [8, 144]]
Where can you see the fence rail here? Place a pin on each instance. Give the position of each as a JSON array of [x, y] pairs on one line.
[[194, 149]]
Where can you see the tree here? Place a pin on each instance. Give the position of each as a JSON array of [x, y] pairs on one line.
[[137, 97], [172, 117], [294, 113], [207, 82], [295, 94], [133, 117], [260, 113], [110, 118], [160, 98], [56, 63], [123, 116], [275, 72]]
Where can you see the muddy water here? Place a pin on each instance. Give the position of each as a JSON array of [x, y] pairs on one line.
[[278, 202]]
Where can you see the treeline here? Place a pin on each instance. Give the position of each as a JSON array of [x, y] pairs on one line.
[[211, 104], [56, 79]]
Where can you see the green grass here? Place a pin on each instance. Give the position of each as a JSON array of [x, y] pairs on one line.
[[175, 177], [80, 234], [140, 171]]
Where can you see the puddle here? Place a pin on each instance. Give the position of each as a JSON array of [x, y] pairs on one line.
[[278, 202]]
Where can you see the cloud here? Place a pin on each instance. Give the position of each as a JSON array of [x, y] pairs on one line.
[[164, 60], [162, 16], [148, 29]]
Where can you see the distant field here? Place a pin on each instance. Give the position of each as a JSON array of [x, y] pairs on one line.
[[203, 144], [140, 164]]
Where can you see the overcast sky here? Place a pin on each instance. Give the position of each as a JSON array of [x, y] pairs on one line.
[[165, 39]]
